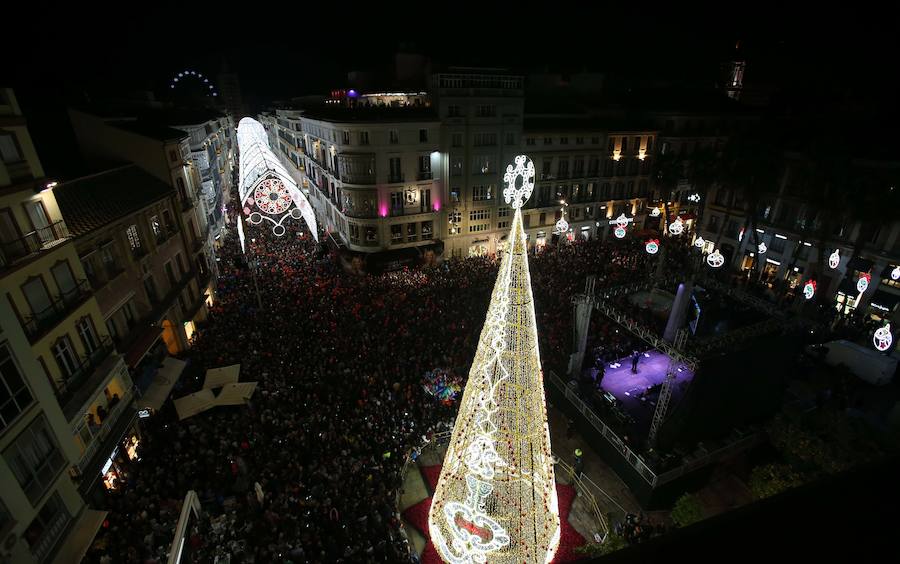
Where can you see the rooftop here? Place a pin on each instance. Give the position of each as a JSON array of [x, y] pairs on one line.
[[92, 202], [372, 114], [151, 130]]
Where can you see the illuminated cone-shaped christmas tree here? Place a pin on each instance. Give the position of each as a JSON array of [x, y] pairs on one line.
[[496, 500]]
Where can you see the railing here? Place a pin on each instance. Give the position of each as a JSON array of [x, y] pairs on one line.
[[42, 321], [102, 433], [51, 534], [68, 390], [424, 175], [581, 486], [34, 242], [19, 170]]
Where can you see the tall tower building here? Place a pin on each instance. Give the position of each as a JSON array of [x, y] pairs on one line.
[[496, 497], [230, 87]]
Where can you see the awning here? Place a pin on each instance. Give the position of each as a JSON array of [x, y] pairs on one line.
[[192, 404], [217, 377], [162, 384], [884, 301], [860, 264], [142, 344], [80, 537]]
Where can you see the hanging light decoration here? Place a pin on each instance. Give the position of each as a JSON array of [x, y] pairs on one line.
[[863, 283], [762, 248], [652, 246], [883, 338], [562, 225], [699, 242], [619, 232], [496, 500], [835, 259], [895, 274], [715, 259], [676, 227], [654, 212], [809, 289]]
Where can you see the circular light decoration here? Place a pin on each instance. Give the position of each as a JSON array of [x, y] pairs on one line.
[[272, 196], [188, 74], [516, 196], [562, 225], [715, 259], [835, 259], [699, 242], [762, 248], [883, 338], [695, 197], [619, 232], [652, 246], [895, 274], [654, 212], [676, 227], [863, 283], [622, 221], [809, 289]]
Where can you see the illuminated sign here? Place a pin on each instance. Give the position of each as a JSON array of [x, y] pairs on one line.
[[621, 221], [883, 338], [763, 248], [895, 274], [694, 197]]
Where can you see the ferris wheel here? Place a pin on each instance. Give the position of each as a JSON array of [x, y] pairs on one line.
[[194, 79]]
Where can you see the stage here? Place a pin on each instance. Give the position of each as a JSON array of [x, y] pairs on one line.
[[628, 388]]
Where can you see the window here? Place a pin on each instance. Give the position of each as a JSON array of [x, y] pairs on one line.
[[713, 224], [134, 239], [181, 266], [150, 287], [9, 148], [423, 136], [502, 225], [563, 140], [85, 328], [548, 140], [777, 244], [182, 195], [427, 229], [363, 137], [345, 137], [170, 274], [595, 140], [611, 146], [542, 218], [510, 138], [563, 168], [476, 215], [167, 221], [35, 292], [579, 166], [482, 192], [487, 110], [477, 228], [65, 281], [484, 164], [173, 156], [454, 194], [605, 191], [354, 233], [424, 165], [579, 140], [156, 227], [396, 232], [530, 141], [456, 140], [456, 166], [34, 459], [455, 217], [397, 202], [112, 329], [48, 525], [454, 111], [395, 172], [15, 396], [503, 212], [484, 139], [545, 167], [65, 356]]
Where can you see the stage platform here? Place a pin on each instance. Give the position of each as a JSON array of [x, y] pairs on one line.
[[629, 388]]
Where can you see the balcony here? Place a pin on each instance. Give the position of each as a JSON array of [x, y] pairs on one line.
[[424, 175], [86, 378], [105, 442], [396, 178], [19, 170], [99, 436], [42, 322], [33, 243]]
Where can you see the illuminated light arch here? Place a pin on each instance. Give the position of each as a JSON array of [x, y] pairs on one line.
[[189, 75], [266, 185]]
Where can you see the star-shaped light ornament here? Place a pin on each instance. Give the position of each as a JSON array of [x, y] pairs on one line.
[[514, 195]]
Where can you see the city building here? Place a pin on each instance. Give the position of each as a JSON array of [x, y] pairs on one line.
[[165, 153], [373, 174], [230, 88], [63, 387]]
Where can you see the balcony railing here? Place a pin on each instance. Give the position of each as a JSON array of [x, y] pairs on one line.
[[19, 170], [99, 436], [424, 175], [38, 240], [83, 381], [43, 321]]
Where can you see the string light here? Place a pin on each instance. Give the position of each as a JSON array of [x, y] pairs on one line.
[[496, 500]]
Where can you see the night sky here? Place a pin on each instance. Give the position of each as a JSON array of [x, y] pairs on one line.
[[300, 51]]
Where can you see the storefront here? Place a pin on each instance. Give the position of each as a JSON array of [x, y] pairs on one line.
[[116, 469], [847, 297], [882, 304]]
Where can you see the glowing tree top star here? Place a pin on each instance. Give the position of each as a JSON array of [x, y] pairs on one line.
[[495, 500]]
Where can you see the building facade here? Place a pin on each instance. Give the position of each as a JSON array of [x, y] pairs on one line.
[[59, 365]]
